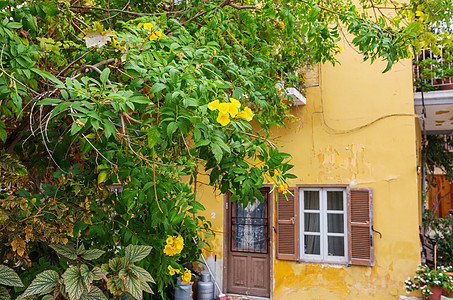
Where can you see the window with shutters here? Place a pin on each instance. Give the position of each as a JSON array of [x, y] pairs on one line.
[[325, 224]]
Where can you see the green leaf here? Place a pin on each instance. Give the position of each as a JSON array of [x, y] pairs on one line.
[[73, 281], [9, 277], [99, 273], [102, 176], [13, 25], [87, 276], [65, 250], [109, 128], [197, 205], [141, 273], [44, 283], [177, 219], [75, 128], [96, 294], [133, 286], [49, 101], [92, 254], [116, 264], [217, 151], [146, 287], [171, 128], [153, 136], [105, 75], [115, 285], [49, 8], [81, 249], [136, 252], [3, 134], [47, 75], [157, 87], [4, 295]]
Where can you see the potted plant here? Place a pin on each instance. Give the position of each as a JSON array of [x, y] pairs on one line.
[[430, 282]]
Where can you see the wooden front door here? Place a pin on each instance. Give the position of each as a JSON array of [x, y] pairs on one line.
[[248, 249]]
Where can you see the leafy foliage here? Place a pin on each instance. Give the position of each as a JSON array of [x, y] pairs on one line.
[[106, 128], [443, 236], [437, 154], [120, 274]]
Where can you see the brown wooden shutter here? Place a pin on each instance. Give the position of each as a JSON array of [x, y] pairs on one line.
[[287, 225], [360, 222]]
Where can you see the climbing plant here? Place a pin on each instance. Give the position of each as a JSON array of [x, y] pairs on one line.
[[112, 113]]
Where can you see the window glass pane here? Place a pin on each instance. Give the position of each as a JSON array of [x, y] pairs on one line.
[[335, 223], [334, 200], [311, 200], [312, 244], [336, 245], [311, 222], [249, 227]]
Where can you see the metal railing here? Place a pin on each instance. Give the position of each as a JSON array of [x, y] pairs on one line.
[[438, 66], [249, 234]]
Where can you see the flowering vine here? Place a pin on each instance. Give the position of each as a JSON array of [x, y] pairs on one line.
[[174, 245], [186, 276], [230, 110]]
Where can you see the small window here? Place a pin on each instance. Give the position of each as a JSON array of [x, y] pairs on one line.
[[323, 225]]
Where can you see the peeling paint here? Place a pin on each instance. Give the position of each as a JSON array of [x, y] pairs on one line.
[[440, 112]]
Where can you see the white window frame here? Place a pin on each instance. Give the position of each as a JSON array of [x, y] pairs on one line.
[[323, 256]]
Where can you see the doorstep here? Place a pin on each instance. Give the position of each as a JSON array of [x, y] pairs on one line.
[[243, 297]]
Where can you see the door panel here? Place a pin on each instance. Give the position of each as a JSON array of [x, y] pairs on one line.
[[258, 268], [239, 278], [248, 255]]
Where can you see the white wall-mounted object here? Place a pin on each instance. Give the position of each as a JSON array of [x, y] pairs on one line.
[[298, 98]]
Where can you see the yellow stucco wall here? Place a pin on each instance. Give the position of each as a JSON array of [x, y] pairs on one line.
[[357, 128]]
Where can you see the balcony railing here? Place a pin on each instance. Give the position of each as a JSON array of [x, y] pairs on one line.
[[435, 71]]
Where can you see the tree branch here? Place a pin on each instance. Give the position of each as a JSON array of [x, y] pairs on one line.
[[239, 7], [133, 13]]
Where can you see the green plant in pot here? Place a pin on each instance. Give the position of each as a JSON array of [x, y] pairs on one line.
[[430, 282]]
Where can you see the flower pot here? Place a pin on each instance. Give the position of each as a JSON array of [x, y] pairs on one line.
[[446, 87], [446, 292], [444, 84], [436, 293]]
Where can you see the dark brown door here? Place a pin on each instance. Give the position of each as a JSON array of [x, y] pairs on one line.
[[248, 251]]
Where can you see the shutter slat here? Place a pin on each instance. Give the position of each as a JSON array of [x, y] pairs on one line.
[[287, 225], [360, 222]]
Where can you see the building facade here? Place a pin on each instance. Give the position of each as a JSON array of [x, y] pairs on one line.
[[351, 228]]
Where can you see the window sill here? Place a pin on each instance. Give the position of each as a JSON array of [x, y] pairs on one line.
[[337, 264]]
